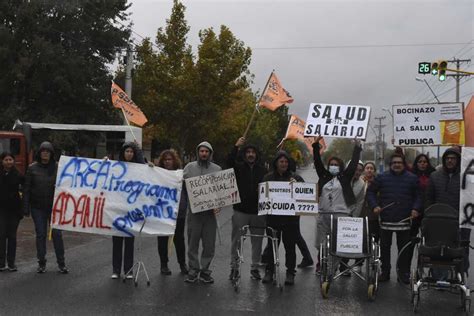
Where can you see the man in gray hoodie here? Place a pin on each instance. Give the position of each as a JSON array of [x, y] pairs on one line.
[[202, 225]]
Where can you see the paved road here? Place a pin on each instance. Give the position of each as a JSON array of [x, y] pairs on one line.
[[89, 290]]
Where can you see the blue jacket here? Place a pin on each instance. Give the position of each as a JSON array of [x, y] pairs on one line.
[[402, 189]]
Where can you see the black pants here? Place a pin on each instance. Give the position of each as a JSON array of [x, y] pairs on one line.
[[118, 243], [178, 244], [403, 237], [302, 246], [290, 235], [374, 229], [8, 226]]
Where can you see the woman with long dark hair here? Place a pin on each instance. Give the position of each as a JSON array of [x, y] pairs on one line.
[[422, 168], [10, 210]]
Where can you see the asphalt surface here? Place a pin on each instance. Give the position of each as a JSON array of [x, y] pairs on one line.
[[88, 289]]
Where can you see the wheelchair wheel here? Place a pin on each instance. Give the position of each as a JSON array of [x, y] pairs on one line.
[[325, 289], [371, 292]]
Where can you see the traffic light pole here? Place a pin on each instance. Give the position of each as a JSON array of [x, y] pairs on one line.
[[379, 147]]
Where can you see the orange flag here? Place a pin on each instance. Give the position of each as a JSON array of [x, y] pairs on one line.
[[132, 112], [274, 95], [469, 123], [295, 130]]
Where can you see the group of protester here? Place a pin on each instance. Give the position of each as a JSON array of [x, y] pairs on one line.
[[393, 201]]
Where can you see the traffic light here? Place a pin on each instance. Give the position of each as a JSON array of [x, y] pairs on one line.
[[434, 68], [443, 64]]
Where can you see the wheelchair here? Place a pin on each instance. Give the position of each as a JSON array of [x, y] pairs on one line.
[[440, 256], [329, 258], [245, 233]]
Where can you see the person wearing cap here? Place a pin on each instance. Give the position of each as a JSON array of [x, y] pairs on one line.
[[249, 172], [283, 224], [202, 226], [395, 197], [38, 195], [123, 247]]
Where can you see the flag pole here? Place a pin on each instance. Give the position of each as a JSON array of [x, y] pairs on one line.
[[255, 110], [128, 123]]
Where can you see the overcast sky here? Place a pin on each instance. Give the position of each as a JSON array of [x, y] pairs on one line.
[[306, 42]]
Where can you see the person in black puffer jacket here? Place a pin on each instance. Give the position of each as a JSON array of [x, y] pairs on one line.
[[286, 224], [38, 200], [245, 159], [10, 210]]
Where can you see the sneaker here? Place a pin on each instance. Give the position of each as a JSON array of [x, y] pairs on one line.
[[255, 274], [357, 269], [184, 268], [63, 269], [305, 263], [384, 277], [165, 270], [115, 276], [268, 277], [205, 278], [234, 274], [12, 268], [290, 278], [41, 269], [129, 276], [3, 268], [191, 278]]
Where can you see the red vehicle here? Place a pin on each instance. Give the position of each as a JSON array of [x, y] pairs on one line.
[[15, 142]]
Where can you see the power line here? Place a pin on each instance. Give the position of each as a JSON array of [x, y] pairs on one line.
[[356, 46]]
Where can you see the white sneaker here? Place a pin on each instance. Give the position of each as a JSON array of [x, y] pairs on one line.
[[357, 269], [129, 276], [115, 276]]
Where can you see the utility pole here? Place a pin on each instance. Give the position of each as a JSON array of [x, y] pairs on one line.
[[128, 72], [379, 144], [458, 76]]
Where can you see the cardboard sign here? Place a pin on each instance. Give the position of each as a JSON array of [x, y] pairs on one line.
[[211, 191], [349, 234], [109, 197], [287, 198], [466, 212], [428, 124], [337, 120]]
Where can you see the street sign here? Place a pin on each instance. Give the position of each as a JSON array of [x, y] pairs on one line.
[[424, 68]]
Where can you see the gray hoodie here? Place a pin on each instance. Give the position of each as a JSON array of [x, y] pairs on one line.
[[198, 167]]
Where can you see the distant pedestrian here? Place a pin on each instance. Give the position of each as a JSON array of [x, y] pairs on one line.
[[10, 210]]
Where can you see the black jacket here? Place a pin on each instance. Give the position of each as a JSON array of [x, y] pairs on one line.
[[40, 181], [444, 186], [277, 220], [248, 177], [10, 185], [345, 177]]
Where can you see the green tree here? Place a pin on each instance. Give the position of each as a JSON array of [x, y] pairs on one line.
[[55, 57]]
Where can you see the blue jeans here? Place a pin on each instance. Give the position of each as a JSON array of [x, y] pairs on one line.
[[41, 219]]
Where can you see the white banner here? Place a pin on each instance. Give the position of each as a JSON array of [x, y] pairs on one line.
[[428, 124], [466, 212], [214, 190], [109, 197], [287, 198], [337, 120], [350, 234]]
